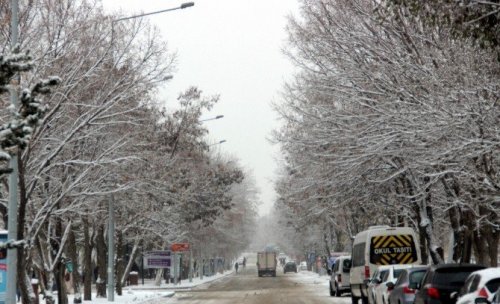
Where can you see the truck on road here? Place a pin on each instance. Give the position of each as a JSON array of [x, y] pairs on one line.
[[266, 263]]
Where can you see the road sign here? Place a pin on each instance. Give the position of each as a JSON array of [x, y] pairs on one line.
[[180, 247], [157, 259], [158, 253]]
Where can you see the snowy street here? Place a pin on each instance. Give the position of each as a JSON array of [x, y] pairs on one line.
[[246, 287]]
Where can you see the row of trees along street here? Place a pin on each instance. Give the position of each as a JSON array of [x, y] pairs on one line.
[[392, 118], [105, 135]]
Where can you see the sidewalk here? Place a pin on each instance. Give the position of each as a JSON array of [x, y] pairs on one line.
[[149, 291]]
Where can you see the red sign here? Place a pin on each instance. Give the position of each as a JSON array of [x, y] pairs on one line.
[[180, 247]]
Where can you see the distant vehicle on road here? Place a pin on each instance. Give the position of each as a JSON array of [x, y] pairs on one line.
[[290, 267], [266, 263], [303, 265]]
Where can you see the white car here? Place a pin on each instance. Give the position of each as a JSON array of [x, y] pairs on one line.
[[480, 284], [303, 265], [391, 274]]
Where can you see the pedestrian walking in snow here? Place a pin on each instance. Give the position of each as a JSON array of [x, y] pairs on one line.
[[236, 267]]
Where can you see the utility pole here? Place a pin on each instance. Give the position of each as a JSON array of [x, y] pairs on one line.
[[190, 264], [111, 251], [10, 297]]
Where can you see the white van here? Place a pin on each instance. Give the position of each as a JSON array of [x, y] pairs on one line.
[[339, 280], [380, 245]]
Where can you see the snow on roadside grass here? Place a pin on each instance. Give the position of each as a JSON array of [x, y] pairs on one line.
[[149, 291], [309, 277], [322, 283]]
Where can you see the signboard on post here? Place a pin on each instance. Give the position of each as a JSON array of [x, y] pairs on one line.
[[157, 259], [3, 267], [176, 247]]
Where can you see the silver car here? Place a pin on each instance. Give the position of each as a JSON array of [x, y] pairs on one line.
[[403, 291]]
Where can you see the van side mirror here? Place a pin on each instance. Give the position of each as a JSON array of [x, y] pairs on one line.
[[390, 285]]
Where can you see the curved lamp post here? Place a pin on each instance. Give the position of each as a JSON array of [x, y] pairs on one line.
[[111, 243]]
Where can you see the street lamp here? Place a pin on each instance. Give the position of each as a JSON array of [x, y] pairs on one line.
[[213, 118], [218, 143], [111, 243], [182, 6]]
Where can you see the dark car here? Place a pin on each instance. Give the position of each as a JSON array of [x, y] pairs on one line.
[[290, 267], [496, 297], [403, 291], [440, 281]]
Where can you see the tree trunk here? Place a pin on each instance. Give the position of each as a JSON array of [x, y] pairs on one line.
[[88, 272], [339, 244], [489, 234], [426, 224], [407, 185], [73, 255], [101, 263], [130, 262], [62, 296], [120, 263], [22, 262]]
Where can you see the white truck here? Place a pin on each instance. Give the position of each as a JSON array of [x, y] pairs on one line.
[[266, 263]]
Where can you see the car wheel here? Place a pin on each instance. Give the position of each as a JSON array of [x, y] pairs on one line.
[[354, 299], [338, 293], [364, 300]]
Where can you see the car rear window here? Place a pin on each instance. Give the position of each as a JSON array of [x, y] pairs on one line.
[[493, 285], [397, 272], [416, 276], [393, 249], [358, 255], [452, 276]]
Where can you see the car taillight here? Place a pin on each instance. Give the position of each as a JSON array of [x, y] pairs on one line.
[[483, 293], [340, 278], [407, 290], [367, 272], [433, 292]]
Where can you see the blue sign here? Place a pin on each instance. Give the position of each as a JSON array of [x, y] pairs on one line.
[[157, 259], [3, 269]]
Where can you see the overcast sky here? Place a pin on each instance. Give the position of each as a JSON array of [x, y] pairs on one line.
[[231, 48]]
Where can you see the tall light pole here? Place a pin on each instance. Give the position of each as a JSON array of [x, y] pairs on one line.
[[213, 118], [111, 217], [10, 296]]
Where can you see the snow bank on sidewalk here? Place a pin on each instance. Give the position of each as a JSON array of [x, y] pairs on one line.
[[149, 291]]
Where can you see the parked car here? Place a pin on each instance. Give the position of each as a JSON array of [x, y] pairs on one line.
[[440, 281], [303, 265], [496, 297], [480, 284], [339, 279], [403, 291], [290, 267], [374, 282], [391, 276]]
